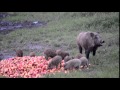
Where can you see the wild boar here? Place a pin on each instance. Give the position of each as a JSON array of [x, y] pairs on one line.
[[32, 54], [90, 41], [78, 56], [76, 63], [67, 58], [49, 53], [19, 52], [84, 62], [63, 54], [55, 62], [72, 64]]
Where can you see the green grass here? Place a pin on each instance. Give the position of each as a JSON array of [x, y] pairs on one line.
[[61, 31]]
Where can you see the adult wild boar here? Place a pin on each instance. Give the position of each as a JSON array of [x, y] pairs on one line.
[[90, 41]]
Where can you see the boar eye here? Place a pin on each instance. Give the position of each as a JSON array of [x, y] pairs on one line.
[[92, 34], [96, 37]]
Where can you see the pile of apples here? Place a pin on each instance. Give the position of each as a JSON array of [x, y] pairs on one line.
[[27, 67]]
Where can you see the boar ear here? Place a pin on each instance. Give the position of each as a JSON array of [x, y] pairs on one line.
[[92, 34]]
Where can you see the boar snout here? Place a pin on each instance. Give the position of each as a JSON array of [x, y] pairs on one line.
[[103, 41]]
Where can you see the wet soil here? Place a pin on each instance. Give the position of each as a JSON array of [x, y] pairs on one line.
[[8, 26]]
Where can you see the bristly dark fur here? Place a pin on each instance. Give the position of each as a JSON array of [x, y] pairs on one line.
[[32, 54], [78, 56], [55, 62], [90, 41], [72, 64], [49, 53], [67, 58], [63, 54], [19, 53]]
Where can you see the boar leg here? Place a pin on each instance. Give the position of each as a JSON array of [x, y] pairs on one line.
[[87, 52], [76, 67], [80, 49], [56, 66], [94, 50], [60, 65]]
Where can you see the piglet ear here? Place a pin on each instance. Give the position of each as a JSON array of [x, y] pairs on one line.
[[92, 34]]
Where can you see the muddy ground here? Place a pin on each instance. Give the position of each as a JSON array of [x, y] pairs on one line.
[[9, 26]]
